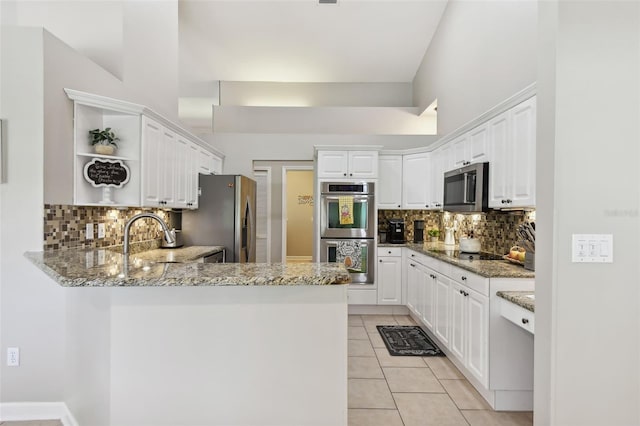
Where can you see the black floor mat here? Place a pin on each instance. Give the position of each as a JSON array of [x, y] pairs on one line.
[[403, 340]]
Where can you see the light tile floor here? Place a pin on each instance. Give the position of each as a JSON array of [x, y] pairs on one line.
[[32, 423], [387, 390]]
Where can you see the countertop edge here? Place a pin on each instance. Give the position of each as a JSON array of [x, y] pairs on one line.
[[519, 298]]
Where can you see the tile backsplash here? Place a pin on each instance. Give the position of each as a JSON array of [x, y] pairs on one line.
[[65, 226], [495, 229]]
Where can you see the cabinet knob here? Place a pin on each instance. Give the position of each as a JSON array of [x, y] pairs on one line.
[[344, 174], [413, 265], [380, 260], [426, 205], [389, 251], [398, 205], [503, 201], [508, 201], [466, 294], [413, 255], [461, 292], [464, 278], [350, 174], [525, 321]]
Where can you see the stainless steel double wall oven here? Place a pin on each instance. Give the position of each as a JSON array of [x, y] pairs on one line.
[[358, 235]]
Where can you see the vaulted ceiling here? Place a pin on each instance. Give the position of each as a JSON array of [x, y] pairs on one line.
[[304, 41]]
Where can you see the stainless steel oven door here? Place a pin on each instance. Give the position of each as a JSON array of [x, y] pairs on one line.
[[365, 272], [364, 217]]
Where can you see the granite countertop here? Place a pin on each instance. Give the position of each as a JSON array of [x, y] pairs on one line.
[[109, 268], [485, 268], [525, 299], [178, 255]]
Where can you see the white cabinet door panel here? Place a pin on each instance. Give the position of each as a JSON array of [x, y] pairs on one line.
[[390, 182]]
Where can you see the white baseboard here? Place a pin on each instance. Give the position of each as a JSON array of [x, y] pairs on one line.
[[37, 411], [378, 310]]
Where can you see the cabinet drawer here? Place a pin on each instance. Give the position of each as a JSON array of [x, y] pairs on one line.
[[390, 251], [518, 315], [471, 280], [417, 257]]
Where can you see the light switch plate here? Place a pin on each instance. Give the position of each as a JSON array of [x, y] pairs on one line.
[[89, 231], [592, 248], [101, 230]]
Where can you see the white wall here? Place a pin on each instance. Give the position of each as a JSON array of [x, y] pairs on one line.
[[32, 306], [150, 58], [77, 23], [323, 120], [240, 93], [136, 41], [482, 53], [588, 340]]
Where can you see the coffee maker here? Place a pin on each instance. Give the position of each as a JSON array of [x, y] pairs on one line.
[[418, 231], [395, 234]]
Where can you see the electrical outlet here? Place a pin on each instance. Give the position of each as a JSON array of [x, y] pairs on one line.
[[89, 232], [13, 357], [101, 230]]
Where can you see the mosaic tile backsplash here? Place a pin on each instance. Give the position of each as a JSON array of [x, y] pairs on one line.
[[495, 229], [65, 226]]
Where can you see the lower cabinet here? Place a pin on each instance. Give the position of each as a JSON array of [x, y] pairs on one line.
[[454, 305], [469, 330], [443, 309], [389, 276]]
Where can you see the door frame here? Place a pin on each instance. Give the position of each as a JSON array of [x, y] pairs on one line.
[[284, 205], [266, 170]]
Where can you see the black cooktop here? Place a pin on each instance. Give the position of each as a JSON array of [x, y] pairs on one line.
[[483, 255]]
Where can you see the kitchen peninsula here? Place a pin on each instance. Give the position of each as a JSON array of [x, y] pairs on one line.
[[154, 343]]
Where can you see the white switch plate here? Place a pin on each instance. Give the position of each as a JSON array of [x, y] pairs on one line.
[[89, 231], [101, 230], [592, 248], [13, 357]]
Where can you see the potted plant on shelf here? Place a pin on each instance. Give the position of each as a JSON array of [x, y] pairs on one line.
[[433, 233], [103, 141]]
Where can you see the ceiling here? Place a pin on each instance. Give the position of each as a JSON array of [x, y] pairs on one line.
[[303, 41]]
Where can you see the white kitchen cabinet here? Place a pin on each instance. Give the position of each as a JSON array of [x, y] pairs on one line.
[[469, 330], [347, 164], [459, 151], [390, 182], [472, 147], [159, 155], [152, 156], [442, 301], [512, 138], [416, 178], [413, 282], [389, 276], [429, 281], [183, 172], [436, 193]]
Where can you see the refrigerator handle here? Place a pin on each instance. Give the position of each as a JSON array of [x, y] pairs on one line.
[[249, 214]]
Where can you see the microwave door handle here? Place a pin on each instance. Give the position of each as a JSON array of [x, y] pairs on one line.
[[464, 191]]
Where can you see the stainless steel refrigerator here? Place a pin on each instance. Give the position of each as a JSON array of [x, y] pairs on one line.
[[226, 216]]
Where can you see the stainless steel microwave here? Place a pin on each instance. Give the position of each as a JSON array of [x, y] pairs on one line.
[[467, 189]]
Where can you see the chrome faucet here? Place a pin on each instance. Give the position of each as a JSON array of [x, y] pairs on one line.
[[167, 233]]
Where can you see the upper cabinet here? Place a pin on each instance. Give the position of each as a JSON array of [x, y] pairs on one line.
[[347, 164], [512, 137], [472, 147], [156, 163], [415, 181], [390, 182]]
